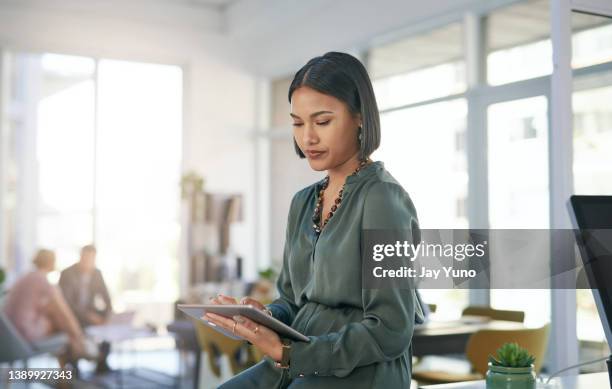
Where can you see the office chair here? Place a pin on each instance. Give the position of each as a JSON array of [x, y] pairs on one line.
[[16, 348], [484, 343]]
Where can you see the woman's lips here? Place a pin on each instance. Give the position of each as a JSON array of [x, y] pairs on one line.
[[315, 154]]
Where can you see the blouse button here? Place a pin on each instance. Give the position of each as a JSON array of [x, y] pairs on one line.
[[301, 375], [316, 373]]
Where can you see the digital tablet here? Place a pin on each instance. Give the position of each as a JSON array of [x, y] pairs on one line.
[[230, 310]]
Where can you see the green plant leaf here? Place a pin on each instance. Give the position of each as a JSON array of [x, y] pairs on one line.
[[512, 355]]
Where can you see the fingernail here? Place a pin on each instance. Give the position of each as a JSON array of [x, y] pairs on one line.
[[238, 318]]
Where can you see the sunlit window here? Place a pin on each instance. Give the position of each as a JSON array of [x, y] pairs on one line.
[[419, 68], [138, 174], [518, 164], [107, 137], [520, 48]]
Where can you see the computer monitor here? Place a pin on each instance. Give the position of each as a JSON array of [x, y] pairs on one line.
[[592, 219]]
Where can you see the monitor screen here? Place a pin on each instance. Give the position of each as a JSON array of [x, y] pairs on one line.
[[592, 218]]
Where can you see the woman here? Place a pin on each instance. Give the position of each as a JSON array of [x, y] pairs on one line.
[[37, 309], [359, 338]]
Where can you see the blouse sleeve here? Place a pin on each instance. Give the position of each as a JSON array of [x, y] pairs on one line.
[[284, 307], [385, 332]]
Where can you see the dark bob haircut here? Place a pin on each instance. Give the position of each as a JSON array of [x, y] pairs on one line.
[[344, 77]]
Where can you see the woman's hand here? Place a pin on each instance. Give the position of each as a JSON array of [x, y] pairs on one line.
[[260, 336]]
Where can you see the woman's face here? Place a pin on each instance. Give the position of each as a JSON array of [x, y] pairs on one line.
[[324, 128]]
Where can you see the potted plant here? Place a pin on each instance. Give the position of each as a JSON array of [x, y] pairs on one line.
[[512, 368]]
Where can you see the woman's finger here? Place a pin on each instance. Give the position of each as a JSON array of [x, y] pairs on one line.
[[246, 322], [219, 319], [226, 299], [249, 300], [240, 329], [223, 322]]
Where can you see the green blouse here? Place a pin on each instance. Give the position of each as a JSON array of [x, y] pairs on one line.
[[360, 335]]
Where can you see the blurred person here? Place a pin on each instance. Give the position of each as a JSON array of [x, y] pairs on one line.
[[85, 291], [38, 309]]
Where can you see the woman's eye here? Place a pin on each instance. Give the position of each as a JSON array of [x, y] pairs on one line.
[[297, 124], [323, 123]]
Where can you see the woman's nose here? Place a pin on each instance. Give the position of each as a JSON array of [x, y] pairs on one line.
[[309, 136]]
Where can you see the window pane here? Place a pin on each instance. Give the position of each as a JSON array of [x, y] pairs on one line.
[[139, 148], [518, 164], [593, 141], [65, 138], [518, 42], [520, 48], [419, 68], [420, 148], [592, 40]]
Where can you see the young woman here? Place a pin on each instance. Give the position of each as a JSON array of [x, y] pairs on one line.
[[359, 338]]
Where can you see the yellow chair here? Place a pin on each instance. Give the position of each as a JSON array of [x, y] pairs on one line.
[[484, 343], [495, 314], [432, 307], [241, 355]]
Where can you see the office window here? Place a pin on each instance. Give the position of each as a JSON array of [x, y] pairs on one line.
[[107, 139], [519, 45], [419, 68], [518, 42], [518, 163], [137, 189], [591, 40], [418, 148]]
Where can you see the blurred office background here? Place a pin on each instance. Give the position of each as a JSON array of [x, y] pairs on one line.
[[159, 131]]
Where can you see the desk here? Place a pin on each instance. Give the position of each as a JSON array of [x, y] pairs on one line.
[[450, 337], [583, 381]]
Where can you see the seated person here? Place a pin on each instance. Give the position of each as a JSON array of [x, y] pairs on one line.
[[85, 291], [37, 309]]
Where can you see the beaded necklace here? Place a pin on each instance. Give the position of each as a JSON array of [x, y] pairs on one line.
[[317, 211]]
